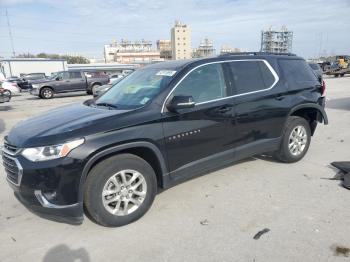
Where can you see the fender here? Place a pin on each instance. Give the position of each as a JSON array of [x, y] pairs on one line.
[[53, 89], [312, 105], [116, 149]]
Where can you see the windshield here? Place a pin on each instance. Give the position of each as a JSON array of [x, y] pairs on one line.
[[137, 89], [55, 75]]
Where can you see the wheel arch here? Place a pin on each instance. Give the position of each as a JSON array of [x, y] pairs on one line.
[[145, 150], [313, 113], [46, 86]]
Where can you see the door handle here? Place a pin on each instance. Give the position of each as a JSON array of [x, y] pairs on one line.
[[280, 97], [224, 109]]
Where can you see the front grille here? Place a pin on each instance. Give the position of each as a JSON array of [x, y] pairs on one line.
[[12, 168], [12, 150]]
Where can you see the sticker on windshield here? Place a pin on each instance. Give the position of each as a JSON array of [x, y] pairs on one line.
[[166, 73]]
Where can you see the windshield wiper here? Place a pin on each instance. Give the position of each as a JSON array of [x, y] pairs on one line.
[[106, 105]]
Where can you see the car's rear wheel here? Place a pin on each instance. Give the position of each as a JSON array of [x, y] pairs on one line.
[[119, 190], [90, 91], [46, 93], [295, 140]]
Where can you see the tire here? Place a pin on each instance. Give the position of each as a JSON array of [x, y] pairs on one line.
[[46, 93], [89, 91], [293, 149], [341, 75], [104, 177], [8, 92]]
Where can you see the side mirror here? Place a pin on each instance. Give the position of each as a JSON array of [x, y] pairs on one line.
[[58, 78], [180, 102]]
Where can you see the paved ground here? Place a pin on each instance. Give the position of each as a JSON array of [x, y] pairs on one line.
[[308, 216]]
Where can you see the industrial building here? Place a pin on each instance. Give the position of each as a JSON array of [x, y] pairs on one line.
[[164, 48], [127, 52], [181, 41], [278, 41], [18, 66], [205, 49]]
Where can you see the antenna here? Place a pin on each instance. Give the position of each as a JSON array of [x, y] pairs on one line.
[[10, 33]]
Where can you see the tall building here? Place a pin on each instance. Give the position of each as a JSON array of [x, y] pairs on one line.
[[164, 47], [130, 52], [278, 41], [181, 41], [206, 48]]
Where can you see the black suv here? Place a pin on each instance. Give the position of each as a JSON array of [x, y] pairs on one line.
[[161, 125]]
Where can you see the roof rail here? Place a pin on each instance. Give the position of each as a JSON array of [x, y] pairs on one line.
[[257, 53]]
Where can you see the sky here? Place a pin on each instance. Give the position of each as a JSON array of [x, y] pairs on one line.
[[83, 27]]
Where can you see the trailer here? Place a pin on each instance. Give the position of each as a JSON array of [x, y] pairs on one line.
[[338, 72], [17, 66]]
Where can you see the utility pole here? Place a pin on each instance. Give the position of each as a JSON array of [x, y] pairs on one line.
[[10, 34]]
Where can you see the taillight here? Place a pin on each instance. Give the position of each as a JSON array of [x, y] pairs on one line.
[[323, 88]]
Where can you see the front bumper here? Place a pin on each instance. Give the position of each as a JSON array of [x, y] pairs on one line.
[[49, 188], [34, 91]]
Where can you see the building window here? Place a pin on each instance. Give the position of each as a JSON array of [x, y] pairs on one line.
[[184, 38]]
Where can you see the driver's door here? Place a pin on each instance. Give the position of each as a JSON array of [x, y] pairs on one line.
[[196, 138]]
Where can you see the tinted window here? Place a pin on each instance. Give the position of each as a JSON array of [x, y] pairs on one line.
[[204, 84], [74, 75], [296, 71], [250, 76]]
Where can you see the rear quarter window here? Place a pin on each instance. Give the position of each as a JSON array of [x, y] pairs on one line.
[[251, 76], [297, 72]]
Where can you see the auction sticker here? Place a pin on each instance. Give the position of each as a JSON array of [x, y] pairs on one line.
[[166, 73]]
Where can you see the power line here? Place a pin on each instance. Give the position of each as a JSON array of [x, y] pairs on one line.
[[10, 33]]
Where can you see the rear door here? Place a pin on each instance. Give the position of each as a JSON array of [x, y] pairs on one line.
[[259, 107], [196, 138], [77, 81]]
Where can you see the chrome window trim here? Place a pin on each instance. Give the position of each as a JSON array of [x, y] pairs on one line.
[[273, 72]]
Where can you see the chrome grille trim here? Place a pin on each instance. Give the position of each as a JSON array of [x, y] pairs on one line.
[[10, 149], [14, 170]]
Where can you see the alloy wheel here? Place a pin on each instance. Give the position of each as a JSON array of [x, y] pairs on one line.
[[124, 192], [297, 140]]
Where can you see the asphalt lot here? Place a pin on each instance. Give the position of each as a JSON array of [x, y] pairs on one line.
[[210, 218]]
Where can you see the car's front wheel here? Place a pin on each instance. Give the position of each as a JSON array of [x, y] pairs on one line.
[[46, 93], [119, 190], [295, 141]]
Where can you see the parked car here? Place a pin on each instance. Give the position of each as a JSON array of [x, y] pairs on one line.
[[99, 90], [5, 95], [66, 81], [33, 76], [163, 124], [11, 87], [318, 70]]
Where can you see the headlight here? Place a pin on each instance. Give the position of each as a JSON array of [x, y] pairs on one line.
[[50, 152], [35, 86]]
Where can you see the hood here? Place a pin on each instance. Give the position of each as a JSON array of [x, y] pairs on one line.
[[63, 124]]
